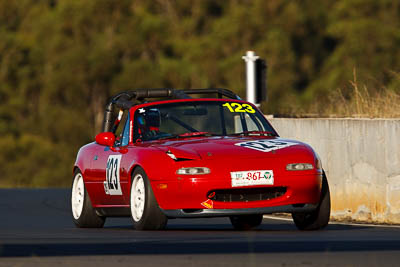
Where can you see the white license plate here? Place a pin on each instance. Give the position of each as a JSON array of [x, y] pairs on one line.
[[248, 178]]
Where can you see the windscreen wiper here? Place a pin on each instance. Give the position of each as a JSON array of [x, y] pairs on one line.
[[189, 134], [192, 134]]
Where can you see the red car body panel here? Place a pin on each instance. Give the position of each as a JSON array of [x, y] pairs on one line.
[[221, 154]]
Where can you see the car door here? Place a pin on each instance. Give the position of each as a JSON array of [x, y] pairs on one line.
[[109, 167]]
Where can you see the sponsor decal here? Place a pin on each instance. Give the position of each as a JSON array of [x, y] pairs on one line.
[[112, 184], [208, 204], [266, 145]]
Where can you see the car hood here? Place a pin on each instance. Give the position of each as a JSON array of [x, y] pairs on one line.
[[231, 147]]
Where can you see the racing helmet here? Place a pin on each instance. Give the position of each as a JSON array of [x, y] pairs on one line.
[[150, 120]]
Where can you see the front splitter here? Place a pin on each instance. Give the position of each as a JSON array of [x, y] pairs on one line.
[[202, 213]]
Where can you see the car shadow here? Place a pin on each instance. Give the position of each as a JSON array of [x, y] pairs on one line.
[[223, 224]]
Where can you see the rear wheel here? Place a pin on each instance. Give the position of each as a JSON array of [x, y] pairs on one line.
[[146, 214], [246, 222], [319, 218], [83, 213]]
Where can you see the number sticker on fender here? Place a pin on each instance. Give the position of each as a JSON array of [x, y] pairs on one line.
[[237, 107], [112, 184], [266, 145]]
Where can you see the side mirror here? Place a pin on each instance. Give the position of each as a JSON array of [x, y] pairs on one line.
[[105, 139]]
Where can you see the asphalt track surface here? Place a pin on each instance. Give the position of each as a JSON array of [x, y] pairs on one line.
[[36, 230]]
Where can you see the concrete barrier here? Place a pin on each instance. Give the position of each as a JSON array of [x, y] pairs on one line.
[[361, 158]]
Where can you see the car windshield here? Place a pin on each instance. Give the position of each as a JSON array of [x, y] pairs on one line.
[[199, 118]]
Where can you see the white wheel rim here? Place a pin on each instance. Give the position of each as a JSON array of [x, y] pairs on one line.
[[78, 196], [137, 197]]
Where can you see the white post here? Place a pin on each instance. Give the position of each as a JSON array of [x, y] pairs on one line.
[[250, 59]]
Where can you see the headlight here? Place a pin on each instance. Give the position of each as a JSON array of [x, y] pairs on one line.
[[193, 171], [299, 166]]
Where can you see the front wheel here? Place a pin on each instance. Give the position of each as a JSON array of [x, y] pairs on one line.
[[146, 214], [246, 222], [83, 213], [319, 218]]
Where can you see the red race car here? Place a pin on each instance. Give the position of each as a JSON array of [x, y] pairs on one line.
[[184, 157]]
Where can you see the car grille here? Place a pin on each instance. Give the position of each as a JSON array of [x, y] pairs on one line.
[[246, 194]]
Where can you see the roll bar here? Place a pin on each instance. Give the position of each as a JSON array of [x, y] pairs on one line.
[[126, 100]]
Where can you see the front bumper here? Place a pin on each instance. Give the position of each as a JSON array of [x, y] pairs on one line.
[[191, 193], [201, 213]]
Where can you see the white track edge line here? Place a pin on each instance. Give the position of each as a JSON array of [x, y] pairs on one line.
[[341, 223]]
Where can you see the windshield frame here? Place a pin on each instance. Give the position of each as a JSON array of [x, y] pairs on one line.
[[134, 111]]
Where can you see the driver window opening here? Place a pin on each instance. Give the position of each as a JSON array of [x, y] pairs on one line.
[[121, 128]]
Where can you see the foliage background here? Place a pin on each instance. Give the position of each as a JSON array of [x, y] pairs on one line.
[[61, 60]]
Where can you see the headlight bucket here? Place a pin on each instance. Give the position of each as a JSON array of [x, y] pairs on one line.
[[318, 163], [193, 171]]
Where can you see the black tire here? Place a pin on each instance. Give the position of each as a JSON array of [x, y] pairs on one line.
[[151, 217], [83, 215], [319, 218], [246, 222]]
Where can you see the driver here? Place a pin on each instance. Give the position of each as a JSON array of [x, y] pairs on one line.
[[149, 124]]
